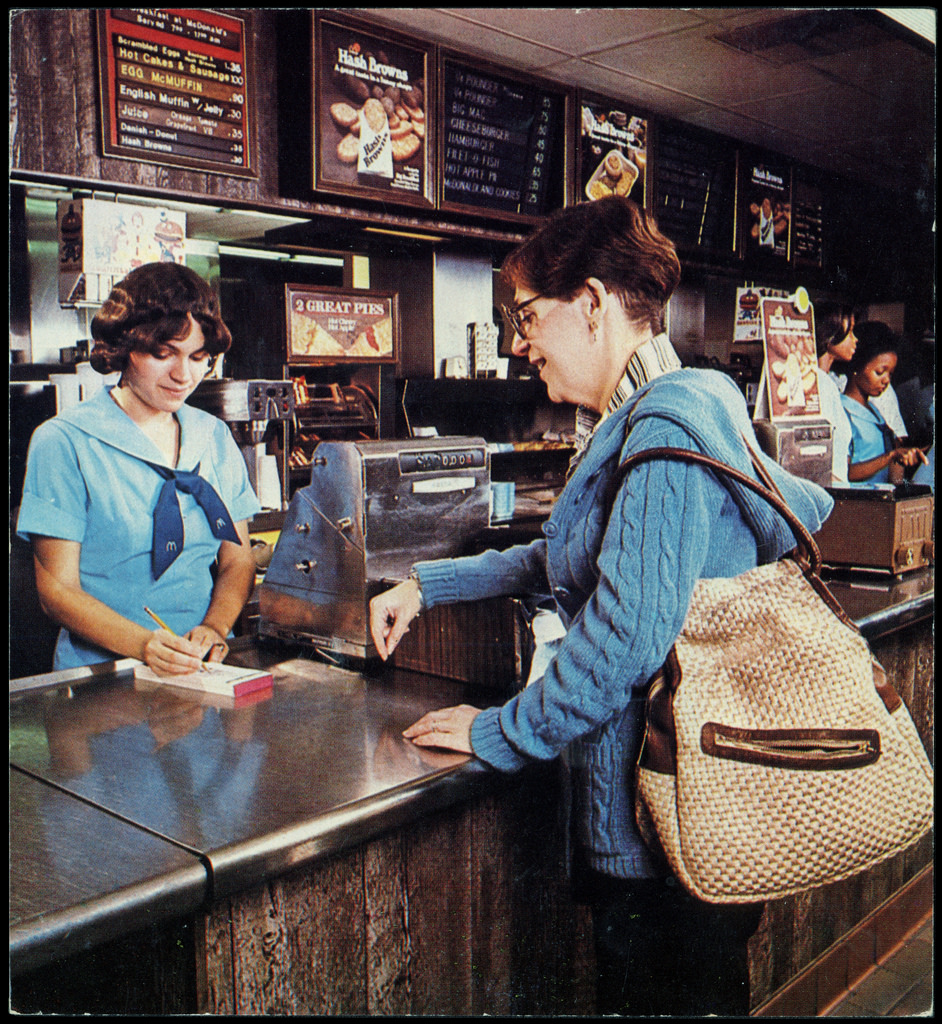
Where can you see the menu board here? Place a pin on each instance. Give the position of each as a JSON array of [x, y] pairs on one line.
[[808, 225], [371, 133], [695, 193], [174, 88], [501, 142], [767, 208], [613, 151]]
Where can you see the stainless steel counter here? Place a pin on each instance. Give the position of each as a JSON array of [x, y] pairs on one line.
[[170, 781], [80, 876], [880, 603], [129, 805]]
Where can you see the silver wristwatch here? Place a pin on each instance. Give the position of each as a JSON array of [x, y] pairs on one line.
[[415, 576]]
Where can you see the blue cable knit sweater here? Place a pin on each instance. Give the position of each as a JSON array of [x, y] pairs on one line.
[[622, 588]]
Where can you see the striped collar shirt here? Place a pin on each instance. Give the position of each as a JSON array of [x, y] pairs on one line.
[[652, 359]]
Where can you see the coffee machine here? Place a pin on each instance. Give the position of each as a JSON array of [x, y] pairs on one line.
[[250, 407]]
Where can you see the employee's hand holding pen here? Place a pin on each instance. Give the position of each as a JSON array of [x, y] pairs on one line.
[[176, 655]]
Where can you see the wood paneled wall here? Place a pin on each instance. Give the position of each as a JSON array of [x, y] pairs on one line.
[[466, 912]]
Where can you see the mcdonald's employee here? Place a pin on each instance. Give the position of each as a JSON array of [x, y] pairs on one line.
[[132, 498]]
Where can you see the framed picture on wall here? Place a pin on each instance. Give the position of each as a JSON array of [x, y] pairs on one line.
[[340, 325], [613, 150], [766, 188], [373, 130]]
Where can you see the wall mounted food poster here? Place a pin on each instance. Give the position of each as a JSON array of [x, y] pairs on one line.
[[371, 98], [174, 89], [337, 325], [767, 209], [790, 360], [613, 151]]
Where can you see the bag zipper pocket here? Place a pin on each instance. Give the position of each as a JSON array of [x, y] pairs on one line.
[[808, 749]]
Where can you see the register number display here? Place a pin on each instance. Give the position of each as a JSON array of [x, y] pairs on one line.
[[174, 89], [497, 141]]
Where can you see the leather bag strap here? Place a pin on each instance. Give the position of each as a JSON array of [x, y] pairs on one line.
[[807, 548]]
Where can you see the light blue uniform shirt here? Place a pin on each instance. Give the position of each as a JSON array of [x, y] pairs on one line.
[[87, 480], [871, 437]]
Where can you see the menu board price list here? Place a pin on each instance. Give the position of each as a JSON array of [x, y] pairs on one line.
[[808, 232], [497, 146], [175, 87], [695, 191]]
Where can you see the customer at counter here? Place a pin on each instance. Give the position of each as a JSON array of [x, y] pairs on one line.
[[876, 454], [589, 292], [835, 342], [134, 500]]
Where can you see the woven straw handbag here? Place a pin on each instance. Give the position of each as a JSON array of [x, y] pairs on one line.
[[776, 756]]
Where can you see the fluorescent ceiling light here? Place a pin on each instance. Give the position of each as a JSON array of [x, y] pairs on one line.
[[406, 234], [920, 20], [272, 254]]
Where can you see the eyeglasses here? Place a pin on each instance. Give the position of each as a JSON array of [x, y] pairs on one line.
[[512, 315]]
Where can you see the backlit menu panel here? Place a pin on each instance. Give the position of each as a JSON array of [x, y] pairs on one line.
[[174, 88], [695, 197], [500, 142]]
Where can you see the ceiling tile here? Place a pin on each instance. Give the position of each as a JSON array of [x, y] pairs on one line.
[[689, 63], [834, 112], [579, 31], [451, 29], [618, 86]]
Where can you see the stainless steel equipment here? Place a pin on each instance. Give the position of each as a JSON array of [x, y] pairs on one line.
[[804, 448], [248, 406], [371, 509]]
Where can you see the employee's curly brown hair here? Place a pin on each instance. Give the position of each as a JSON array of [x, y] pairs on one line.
[[150, 307]]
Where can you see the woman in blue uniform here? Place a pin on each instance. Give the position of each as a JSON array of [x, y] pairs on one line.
[[876, 455], [133, 498]]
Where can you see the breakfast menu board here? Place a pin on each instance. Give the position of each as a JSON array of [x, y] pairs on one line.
[[371, 133], [499, 141], [174, 88], [695, 194]]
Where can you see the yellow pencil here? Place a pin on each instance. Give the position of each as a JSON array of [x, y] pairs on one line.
[[163, 625]]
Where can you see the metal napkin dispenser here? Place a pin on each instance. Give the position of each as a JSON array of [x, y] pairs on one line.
[[371, 510], [802, 446]]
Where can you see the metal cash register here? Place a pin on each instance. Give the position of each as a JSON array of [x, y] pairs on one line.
[[371, 510]]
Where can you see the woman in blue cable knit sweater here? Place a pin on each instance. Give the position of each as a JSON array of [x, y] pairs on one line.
[[590, 289]]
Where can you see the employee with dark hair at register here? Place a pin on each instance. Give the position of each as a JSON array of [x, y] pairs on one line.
[[590, 290], [134, 499]]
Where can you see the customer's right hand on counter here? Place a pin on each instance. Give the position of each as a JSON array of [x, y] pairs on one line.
[[390, 615]]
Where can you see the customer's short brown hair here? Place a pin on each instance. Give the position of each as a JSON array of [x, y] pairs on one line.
[[150, 307], [611, 239]]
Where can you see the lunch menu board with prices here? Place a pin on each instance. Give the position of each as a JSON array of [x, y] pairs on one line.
[[174, 88], [498, 142]]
